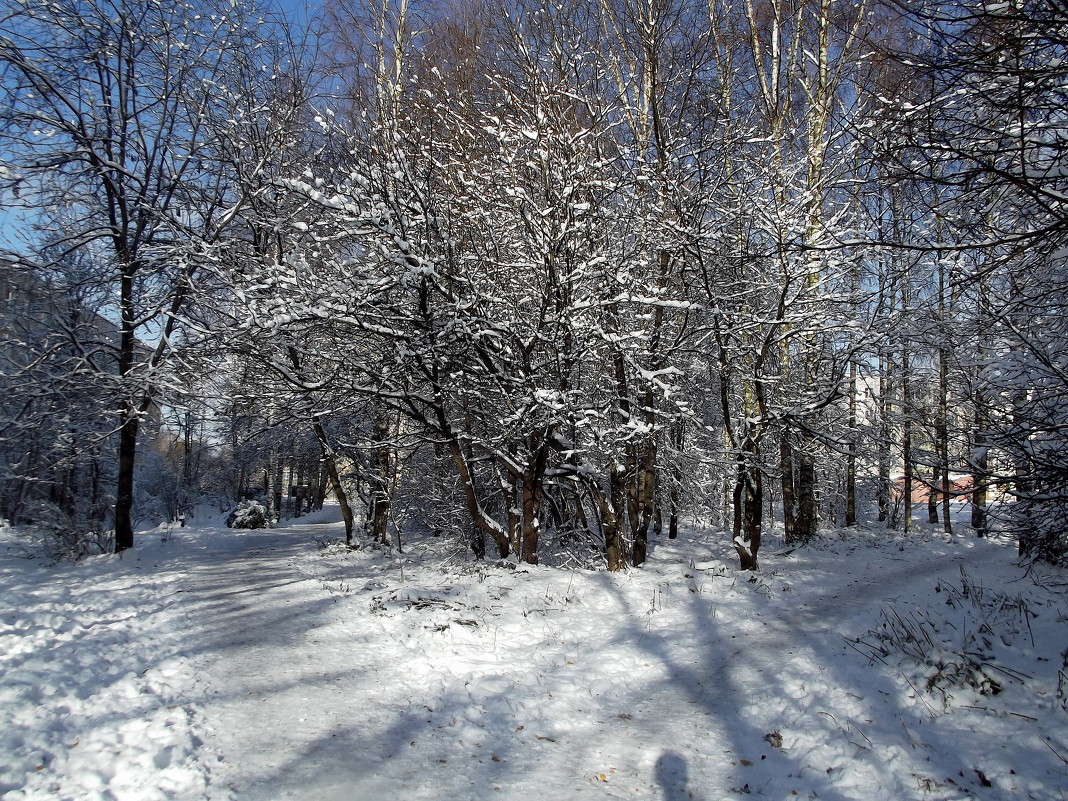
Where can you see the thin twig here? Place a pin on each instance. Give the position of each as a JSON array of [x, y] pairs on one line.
[[871, 657], [1059, 756], [1011, 673], [930, 709]]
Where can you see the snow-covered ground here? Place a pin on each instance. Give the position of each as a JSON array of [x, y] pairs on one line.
[[217, 664]]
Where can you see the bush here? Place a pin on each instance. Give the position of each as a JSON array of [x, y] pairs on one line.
[[248, 514], [70, 534]]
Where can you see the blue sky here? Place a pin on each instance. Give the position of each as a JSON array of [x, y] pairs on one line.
[[299, 10]]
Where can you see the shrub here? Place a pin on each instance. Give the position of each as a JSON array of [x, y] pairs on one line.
[[248, 514]]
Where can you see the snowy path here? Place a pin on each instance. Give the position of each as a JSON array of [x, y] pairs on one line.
[[541, 684], [280, 686]]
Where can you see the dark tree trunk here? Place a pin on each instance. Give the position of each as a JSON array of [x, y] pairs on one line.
[[531, 529], [330, 463], [807, 512], [789, 506], [479, 519], [130, 419], [851, 457], [124, 495], [885, 388], [673, 516], [533, 481], [478, 543], [749, 507], [749, 491], [646, 491], [612, 513], [932, 496], [679, 442]]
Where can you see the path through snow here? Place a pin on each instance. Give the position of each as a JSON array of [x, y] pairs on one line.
[[289, 679]]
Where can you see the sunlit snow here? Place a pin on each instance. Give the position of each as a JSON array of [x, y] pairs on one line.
[[217, 664]]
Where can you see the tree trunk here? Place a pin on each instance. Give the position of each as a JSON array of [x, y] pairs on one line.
[[330, 463], [979, 477], [612, 510], [749, 506], [532, 490], [933, 495], [512, 518], [807, 511], [380, 494], [749, 493], [279, 486], [906, 440], [851, 457], [789, 505], [1022, 481], [270, 487], [130, 419], [610, 520], [979, 462], [321, 481], [124, 495], [885, 388], [943, 439], [678, 441], [646, 486], [615, 549], [478, 543], [479, 519]]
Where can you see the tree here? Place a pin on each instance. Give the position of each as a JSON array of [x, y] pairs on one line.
[[991, 137], [114, 114], [53, 426]]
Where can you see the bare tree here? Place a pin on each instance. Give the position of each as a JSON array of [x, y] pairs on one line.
[[113, 113]]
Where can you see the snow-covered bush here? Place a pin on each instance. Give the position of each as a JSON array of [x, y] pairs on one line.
[[248, 514]]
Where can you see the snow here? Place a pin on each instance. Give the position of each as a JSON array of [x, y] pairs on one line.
[[217, 664]]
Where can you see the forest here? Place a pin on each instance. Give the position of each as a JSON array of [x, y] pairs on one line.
[[543, 278]]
